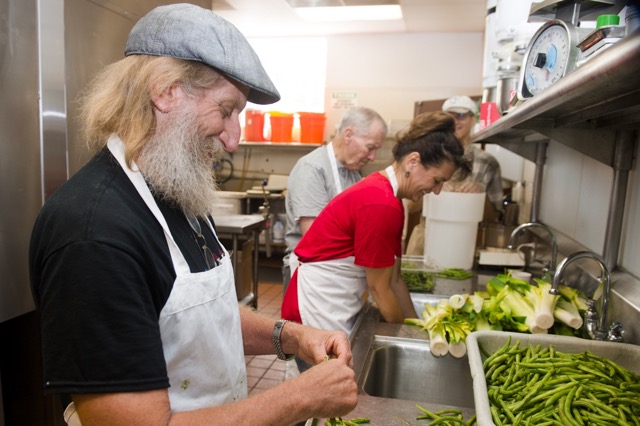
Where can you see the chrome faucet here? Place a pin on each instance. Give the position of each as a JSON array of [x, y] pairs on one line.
[[595, 325], [554, 243]]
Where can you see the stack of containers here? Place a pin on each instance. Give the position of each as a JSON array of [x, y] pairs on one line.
[[281, 124]]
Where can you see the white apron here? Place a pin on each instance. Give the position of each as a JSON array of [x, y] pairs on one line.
[[199, 324], [334, 304]]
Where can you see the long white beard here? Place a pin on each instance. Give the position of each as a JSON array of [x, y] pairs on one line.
[[177, 164]]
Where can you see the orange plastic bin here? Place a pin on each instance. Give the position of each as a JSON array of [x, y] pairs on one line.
[[254, 125], [312, 127], [281, 126]]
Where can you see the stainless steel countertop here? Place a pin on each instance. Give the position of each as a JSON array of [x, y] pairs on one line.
[[238, 223], [392, 412]]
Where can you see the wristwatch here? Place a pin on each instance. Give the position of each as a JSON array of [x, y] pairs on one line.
[[277, 331]]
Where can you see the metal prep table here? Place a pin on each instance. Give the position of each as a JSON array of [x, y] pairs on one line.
[[235, 226]]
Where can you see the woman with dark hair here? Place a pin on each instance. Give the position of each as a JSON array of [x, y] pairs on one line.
[[354, 245]]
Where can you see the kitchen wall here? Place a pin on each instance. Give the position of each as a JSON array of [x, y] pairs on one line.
[[389, 72], [386, 72], [576, 193], [630, 250]]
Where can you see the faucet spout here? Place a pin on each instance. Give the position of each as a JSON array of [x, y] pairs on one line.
[[601, 330], [554, 243]]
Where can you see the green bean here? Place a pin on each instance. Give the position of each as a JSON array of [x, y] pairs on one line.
[[624, 400], [577, 416], [562, 413], [594, 372], [491, 359], [549, 393], [447, 420], [338, 421], [449, 417], [498, 371], [495, 414], [567, 407], [548, 364], [556, 396]]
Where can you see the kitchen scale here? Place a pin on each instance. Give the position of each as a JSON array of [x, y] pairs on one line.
[[554, 50]]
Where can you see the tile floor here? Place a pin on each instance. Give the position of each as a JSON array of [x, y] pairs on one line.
[[266, 371]]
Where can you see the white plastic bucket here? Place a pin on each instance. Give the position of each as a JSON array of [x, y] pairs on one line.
[[452, 228]]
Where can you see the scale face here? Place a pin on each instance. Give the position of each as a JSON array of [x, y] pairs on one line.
[[550, 55]]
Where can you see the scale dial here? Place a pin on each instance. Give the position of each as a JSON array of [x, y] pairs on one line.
[[550, 55]]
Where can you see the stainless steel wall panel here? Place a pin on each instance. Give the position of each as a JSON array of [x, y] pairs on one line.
[[95, 36], [53, 119], [20, 177]]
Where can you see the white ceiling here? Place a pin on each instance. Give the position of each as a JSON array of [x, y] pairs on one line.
[[272, 18]]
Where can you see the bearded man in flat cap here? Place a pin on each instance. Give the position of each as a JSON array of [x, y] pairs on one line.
[[136, 294]]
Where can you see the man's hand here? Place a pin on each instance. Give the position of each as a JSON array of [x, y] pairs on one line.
[[315, 346]]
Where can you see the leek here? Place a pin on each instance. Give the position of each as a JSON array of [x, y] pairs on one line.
[[567, 313]]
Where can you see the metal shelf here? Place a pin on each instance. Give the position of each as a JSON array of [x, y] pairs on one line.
[[585, 110], [595, 110]]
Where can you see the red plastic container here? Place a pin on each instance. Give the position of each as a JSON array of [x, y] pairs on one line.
[[254, 125], [312, 127]]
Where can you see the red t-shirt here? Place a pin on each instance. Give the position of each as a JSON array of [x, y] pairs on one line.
[[364, 221]]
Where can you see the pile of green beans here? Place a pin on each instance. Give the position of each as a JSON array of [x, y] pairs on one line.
[[541, 386], [455, 274], [445, 417]]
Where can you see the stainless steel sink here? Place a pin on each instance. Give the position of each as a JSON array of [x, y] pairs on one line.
[[403, 368], [420, 299]]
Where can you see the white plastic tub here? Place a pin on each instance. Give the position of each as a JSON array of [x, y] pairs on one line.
[[452, 228], [626, 355]]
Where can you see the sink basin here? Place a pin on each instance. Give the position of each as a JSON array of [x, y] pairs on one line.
[[420, 299], [402, 368]]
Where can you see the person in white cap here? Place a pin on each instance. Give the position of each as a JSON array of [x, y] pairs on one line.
[[139, 315], [485, 175]]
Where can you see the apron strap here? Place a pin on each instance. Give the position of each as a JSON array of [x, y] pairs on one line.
[[116, 146], [334, 167]]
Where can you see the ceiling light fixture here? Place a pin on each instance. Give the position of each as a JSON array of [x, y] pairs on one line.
[[350, 13]]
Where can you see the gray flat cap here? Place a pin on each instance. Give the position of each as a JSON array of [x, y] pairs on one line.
[[189, 32]]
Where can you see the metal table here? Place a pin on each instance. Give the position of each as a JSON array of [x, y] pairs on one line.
[[237, 225]]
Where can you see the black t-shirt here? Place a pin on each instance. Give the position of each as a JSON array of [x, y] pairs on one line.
[[101, 272]]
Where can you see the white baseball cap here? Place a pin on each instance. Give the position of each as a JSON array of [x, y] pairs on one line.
[[460, 105]]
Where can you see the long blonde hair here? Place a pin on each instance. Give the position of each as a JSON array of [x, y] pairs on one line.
[[119, 99]]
